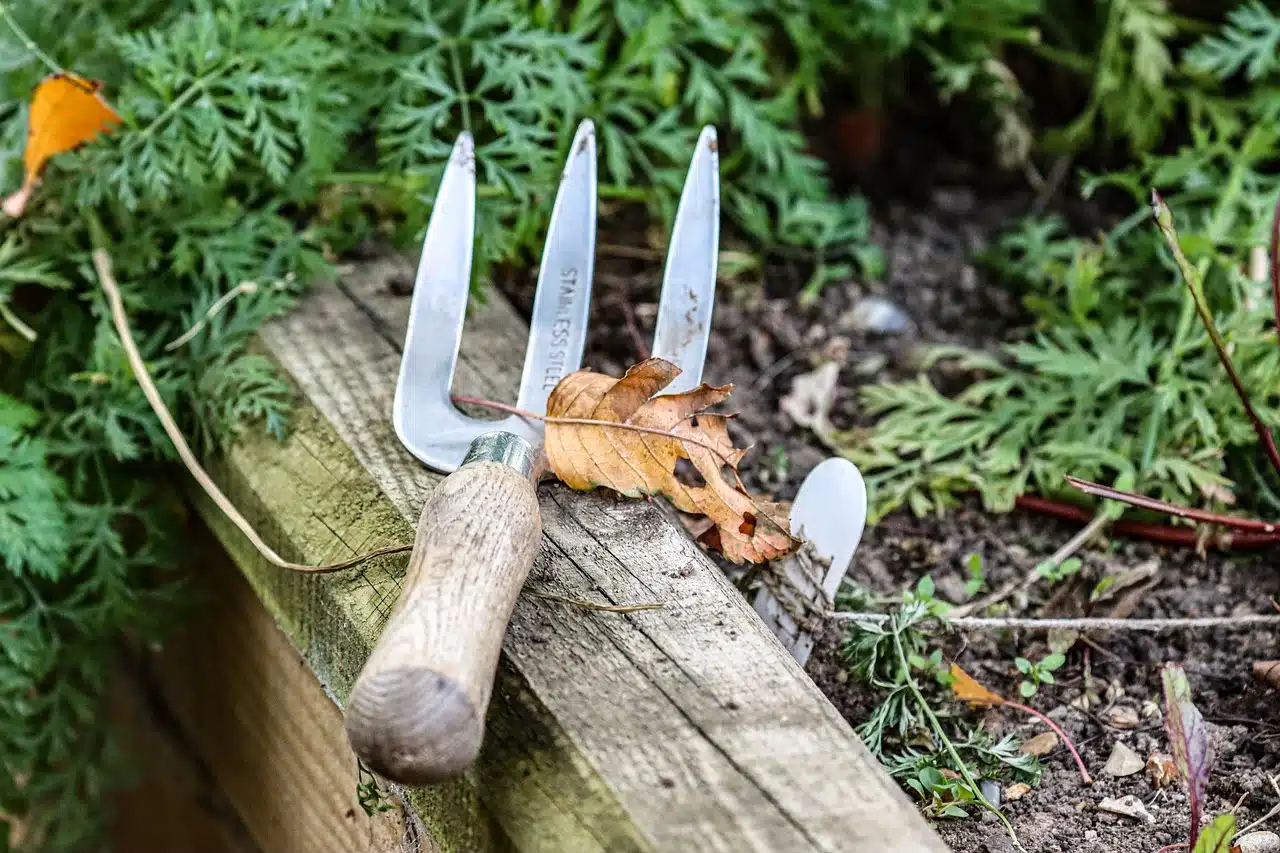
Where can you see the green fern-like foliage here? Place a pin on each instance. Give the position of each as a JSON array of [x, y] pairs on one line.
[[1119, 381]]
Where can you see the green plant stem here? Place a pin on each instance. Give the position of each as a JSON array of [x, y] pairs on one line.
[[1068, 59], [6, 314], [183, 99], [460, 83], [905, 668], [27, 41]]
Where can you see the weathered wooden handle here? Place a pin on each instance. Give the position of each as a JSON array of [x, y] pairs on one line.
[[416, 713]]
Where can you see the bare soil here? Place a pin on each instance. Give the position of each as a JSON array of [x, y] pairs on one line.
[[764, 337]]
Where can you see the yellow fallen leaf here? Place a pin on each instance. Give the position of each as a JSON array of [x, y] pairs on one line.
[[968, 690], [637, 463], [67, 111]]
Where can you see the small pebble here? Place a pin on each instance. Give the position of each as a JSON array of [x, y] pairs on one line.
[[1128, 806], [1123, 761], [1258, 842], [1040, 745], [991, 790], [1123, 717], [1017, 791], [879, 316], [1091, 835]]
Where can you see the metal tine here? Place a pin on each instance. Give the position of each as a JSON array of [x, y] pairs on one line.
[[558, 327], [422, 408], [689, 280]]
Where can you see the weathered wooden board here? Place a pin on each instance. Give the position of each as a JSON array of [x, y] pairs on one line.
[[239, 696], [174, 803], [679, 729]]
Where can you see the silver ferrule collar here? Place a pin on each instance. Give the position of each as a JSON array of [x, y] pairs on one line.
[[506, 448]]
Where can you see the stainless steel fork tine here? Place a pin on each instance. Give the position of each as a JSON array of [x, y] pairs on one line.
[[558, 328], [689, 280], [422, 411]]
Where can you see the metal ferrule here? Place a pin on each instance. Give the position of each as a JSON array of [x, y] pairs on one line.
[[507, 448]]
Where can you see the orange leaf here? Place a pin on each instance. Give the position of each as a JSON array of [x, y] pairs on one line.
[[968, 690], [637, 463], [66, 111]]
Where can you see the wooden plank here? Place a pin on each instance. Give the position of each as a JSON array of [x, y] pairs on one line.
[[685, 728], [272, 739], [175, 803]]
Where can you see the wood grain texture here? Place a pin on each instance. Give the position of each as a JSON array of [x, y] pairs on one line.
[[174, 803], [416, 713], [242, 699], [684, 728]]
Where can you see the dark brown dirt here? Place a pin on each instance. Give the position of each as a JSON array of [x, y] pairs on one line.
[[764, 338]]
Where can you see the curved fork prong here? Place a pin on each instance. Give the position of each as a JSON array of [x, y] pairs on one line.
[[422, 410], [558, 326], [689, 281]]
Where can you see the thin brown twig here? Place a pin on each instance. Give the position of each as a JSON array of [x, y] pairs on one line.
[[591, 605], [1167, 534], [1143, 502], [222, 302], [1088, 623], [1275, 266], [1070, 547], [102, 265], [1164, 221]]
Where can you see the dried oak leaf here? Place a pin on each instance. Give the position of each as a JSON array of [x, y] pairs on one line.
[[636, 463], [66, 111]]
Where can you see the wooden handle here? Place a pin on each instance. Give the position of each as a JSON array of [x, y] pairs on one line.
[[416, 713]]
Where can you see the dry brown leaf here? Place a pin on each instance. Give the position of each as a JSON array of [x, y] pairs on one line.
[[1161, 770], [636, 463], [1268, 672], [968, 690]]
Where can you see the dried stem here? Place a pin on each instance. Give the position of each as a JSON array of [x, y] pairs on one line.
[[1070, 547], [1164, 221], [1275, 265], [1164, 533], [214, 310], [102, 265], [591, 605], [1071, 747], [1253, 620], [1275, 810], [1235, 522]]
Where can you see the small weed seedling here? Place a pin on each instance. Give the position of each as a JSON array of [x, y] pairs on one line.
[[1038, 673]]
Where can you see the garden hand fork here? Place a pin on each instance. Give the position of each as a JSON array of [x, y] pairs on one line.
[[416, 712]]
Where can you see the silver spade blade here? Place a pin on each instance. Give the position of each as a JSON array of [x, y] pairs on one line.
[[689, 281]]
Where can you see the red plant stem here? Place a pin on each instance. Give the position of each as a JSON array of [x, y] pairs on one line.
[[1168, 847], [1163, 533], [1084, 771]]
